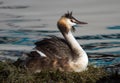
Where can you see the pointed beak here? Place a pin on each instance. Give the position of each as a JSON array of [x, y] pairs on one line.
[[80, 22]]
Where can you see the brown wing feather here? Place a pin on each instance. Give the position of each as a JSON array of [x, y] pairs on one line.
[[54, 47]]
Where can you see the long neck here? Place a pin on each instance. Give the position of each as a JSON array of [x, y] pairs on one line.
[[76, 48]]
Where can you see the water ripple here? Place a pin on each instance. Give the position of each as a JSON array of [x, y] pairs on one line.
[[19, 20], [101, 45], [109, 36], [114, 28], [14, 7]]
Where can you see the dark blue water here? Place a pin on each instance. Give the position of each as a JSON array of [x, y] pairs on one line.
[[23, 37]]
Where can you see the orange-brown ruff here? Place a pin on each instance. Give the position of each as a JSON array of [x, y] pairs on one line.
[[55, 53]]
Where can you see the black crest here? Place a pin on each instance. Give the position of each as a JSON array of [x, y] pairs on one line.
[[68, 15]]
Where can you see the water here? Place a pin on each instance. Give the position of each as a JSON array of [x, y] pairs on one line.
[[23, 22]]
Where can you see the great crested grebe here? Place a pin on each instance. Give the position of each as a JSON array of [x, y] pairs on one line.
[[58, 54]]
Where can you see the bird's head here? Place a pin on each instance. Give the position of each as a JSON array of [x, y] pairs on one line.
[[68, 23]]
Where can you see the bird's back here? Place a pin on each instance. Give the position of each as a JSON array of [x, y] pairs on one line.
[[54, 47]]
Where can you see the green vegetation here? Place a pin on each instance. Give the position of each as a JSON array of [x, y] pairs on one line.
[[11, 74]]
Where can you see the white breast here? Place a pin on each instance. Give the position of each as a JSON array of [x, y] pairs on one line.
[[80, 64]]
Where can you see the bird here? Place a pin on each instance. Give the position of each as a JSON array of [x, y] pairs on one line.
[[55, 53]]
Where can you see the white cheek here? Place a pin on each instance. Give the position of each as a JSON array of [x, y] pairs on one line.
[[71, 23]]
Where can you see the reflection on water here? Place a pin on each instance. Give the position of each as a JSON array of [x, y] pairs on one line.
[[16, 30]]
